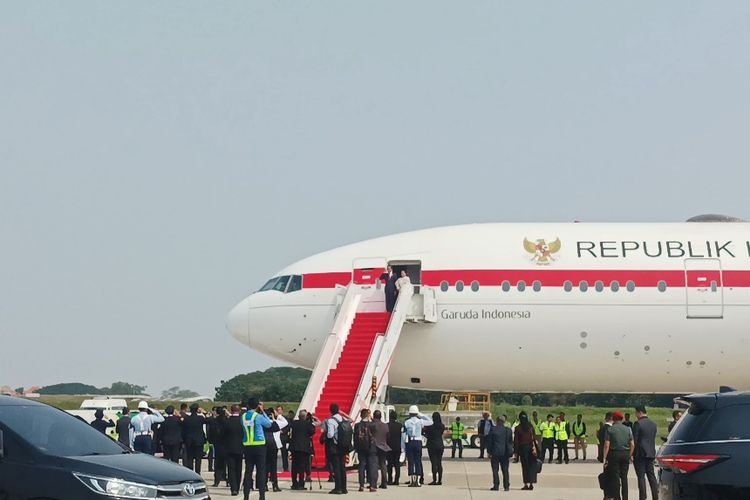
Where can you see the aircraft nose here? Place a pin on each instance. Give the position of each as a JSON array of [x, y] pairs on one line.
[[238, 321]]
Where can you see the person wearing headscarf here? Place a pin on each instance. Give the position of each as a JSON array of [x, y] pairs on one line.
[[435, 447], [525, 449]]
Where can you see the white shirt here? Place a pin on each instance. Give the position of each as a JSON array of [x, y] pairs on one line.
[[402, 281], [281, 422]]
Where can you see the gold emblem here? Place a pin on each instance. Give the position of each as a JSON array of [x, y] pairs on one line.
[[542, 251]]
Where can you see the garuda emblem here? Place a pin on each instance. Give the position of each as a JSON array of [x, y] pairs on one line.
[[541, 250]]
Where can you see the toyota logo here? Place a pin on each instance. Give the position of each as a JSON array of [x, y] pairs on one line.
[[188, 490]]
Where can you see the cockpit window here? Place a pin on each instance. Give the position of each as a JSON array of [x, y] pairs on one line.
[[280, 285], [269, 284], [294, 284]]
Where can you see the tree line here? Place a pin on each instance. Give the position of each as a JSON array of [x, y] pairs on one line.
[[288, 384]]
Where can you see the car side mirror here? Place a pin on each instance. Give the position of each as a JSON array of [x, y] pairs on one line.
[[2, 446]]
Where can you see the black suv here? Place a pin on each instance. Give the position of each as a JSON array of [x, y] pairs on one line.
[[707, 454], [47, 453]]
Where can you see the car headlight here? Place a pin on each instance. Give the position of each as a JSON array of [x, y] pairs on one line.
[[114, 487]]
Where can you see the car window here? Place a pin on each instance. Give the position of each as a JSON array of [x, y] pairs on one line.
[[13, 449], [689, 427], [54, 432], [728, 423], [724, 424]]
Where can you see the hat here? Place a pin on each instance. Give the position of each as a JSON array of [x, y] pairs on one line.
[[413, 410], [143, 405], [616, 415]]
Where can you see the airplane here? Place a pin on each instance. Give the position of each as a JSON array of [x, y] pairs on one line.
[[516, 307]]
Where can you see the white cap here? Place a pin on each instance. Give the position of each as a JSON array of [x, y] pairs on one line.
[[413, 410], [143, 405]]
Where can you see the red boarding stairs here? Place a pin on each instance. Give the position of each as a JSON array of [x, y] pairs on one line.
[[344, 379]]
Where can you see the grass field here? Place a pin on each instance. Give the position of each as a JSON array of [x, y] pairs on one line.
[[591, 415]]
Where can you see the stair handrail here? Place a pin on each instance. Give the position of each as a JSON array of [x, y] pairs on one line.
[[382, 352], [331, 351]]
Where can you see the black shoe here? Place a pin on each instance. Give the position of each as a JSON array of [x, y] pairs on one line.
[[506, 489], [216, 484], [531, 486], [494, 488], [234, 493], [383, 487], [276, 488], [334, 492]]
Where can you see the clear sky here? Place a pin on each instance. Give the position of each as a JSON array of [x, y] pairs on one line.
[[160, 160]]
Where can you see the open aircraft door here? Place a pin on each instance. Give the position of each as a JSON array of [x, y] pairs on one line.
[[367, 270], [703, 286]]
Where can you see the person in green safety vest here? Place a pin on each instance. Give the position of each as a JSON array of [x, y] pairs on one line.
[[579, 436], [548, 430], [457, 435], [254, 421], [561, 439]]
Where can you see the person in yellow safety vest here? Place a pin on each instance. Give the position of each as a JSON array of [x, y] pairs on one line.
[[548, 430], [535, 423], [579, 436], [457, 435], [254, 421], [561, 439]]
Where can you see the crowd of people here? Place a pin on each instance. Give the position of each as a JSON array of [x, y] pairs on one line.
[[254, 435]]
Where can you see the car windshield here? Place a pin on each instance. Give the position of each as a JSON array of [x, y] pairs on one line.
[[55, 432]]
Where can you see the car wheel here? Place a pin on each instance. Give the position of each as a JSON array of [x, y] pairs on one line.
[[474, 441]]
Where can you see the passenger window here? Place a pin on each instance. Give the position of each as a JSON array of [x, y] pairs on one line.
[[443, 286], [713, 286], [662, 286], [614, 286], [506, 286], [599, 286], [630, 285], [537, 285], [567, 286], [521, 286], [280, 285], [295, 284], [583, 286], [459, 286], [474, 286]]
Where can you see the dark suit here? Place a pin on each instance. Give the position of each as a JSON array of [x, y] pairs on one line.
[[301, 433], [499, 444], [122, 428], [644, 437], [394, 456], [380, 442], [232, 437], [391, 292], [216, 438], [194, 438], [171, 438]]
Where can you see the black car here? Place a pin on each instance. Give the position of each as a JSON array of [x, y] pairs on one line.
[[47, 453], [707, 454]]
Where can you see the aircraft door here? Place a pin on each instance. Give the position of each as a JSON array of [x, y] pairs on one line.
[[703, 288], [367, 270]]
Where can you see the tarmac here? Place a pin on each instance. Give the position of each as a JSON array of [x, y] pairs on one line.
[[465, 479]]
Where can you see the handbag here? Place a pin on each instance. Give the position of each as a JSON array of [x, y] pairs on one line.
[[539, 464], [603, 480]]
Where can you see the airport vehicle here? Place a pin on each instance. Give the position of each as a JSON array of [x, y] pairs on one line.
[[112, 408], [47, 453], [706, 454], [578, 307]]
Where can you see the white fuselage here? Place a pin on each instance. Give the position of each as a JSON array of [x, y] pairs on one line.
[[544, 307]]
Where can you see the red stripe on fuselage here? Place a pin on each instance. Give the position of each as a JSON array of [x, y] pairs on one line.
[[547, 277]]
